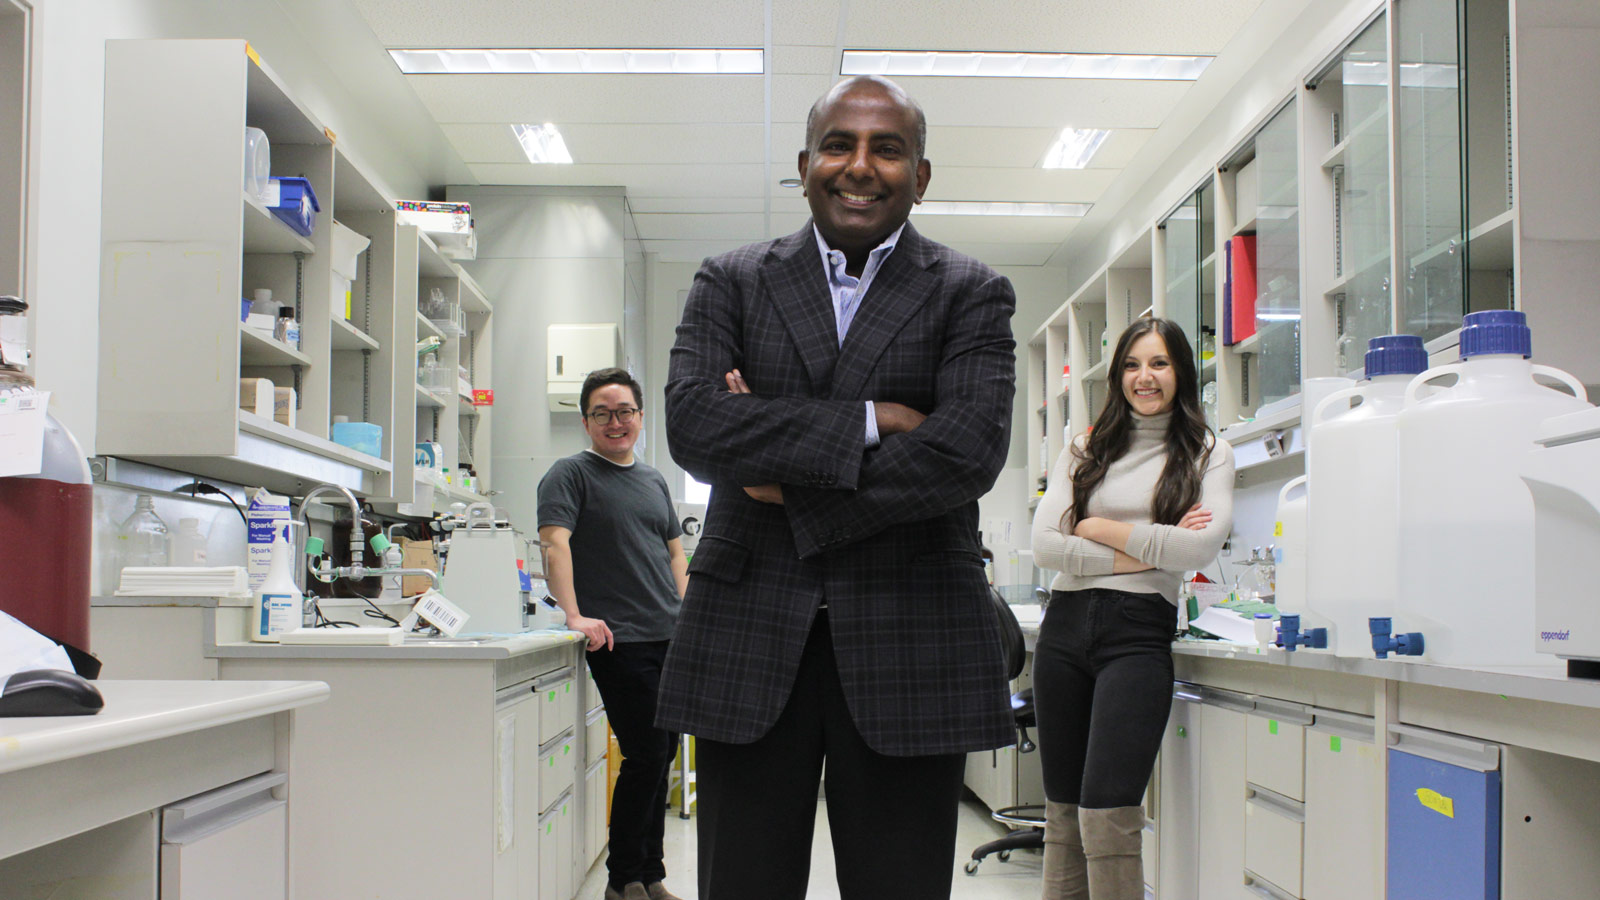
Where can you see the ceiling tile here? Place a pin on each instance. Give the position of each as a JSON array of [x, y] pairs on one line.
[[612, 144], [696, 227], [694, 204], [1124, 26], [564, 99], [994, 229], [1026, 185], [795, 59], [595, 23]]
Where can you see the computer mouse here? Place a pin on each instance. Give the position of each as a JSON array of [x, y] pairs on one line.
[[49, 692]]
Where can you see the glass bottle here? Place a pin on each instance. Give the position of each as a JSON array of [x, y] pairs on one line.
[[142, 537], [189, 544], [430, 371]]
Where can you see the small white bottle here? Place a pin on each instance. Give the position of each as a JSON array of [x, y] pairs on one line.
[[189, 544], [277, 603]]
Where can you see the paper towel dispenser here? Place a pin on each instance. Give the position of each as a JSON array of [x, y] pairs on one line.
[[574, 352]]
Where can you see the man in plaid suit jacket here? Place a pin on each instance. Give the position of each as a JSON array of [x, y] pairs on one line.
[[847, 393]]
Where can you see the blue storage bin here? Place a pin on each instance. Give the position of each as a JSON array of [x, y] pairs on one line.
[[363, 437], [297, 204]]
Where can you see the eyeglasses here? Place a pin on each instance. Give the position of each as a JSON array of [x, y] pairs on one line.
[[606, 416]]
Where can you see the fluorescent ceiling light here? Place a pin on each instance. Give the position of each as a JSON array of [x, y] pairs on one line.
[[999, 208], [1074, 147], [542, 143], [1141, 67], [561, 61]]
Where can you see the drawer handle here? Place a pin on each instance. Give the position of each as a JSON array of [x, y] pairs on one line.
[[1276, 803]]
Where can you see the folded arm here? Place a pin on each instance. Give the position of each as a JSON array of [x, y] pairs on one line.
[[948, 459], [1066, 551], [719, 436], [1175, 548]]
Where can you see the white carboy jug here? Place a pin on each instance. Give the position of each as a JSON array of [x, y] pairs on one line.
[[1352, 518], [1466, 518]]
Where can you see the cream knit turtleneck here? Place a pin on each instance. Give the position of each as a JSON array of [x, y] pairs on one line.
[[1125, 496]]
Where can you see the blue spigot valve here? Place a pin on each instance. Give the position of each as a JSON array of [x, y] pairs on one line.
[[1384, 643], [1290, 637]]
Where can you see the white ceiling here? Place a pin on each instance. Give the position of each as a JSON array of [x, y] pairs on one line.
[[701, 155]]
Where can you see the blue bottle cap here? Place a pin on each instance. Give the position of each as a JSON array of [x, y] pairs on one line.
[[1496, 331], [1395, 354]]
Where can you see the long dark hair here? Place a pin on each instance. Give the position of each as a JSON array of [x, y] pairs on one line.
[[1188, 437]]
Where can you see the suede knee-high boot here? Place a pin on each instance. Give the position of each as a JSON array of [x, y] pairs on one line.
[[1112, 839], [1065, 873]]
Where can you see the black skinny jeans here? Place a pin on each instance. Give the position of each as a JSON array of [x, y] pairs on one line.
[[629, 677], [1102, 690]]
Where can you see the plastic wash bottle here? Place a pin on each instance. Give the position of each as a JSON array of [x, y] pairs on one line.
[[277, 602]]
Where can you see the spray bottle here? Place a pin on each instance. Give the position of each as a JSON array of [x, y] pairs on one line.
[[277, 602]]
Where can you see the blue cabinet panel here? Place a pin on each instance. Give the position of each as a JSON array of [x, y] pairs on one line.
[[1444, 830]]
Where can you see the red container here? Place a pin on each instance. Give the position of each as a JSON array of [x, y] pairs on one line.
[[47, 523]]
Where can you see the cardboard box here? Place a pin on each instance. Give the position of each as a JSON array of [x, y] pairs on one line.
[[284, 406], [416, 555], [257, 395]]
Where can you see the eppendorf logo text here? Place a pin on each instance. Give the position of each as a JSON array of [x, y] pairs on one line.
[[1555, 635]]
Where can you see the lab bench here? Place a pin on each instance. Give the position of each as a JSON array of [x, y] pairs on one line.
[[175, 789], [438, 768], [1306, 775]]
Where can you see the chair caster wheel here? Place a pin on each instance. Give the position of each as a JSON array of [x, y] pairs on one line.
[[1005, 855], [971, 867]]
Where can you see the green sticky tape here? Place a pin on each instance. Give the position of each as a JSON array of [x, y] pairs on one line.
[[1334, 744], [1272, 726], [550, 829], [565, 750], [552, 696], [569, 687], [1183, 732]]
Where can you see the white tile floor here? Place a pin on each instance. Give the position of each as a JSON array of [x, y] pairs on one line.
[[1017, 879]]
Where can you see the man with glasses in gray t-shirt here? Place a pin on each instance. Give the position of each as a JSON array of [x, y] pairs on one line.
[[616, 551]]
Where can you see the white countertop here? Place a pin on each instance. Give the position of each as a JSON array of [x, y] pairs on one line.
[[140, 711], [491, 647], [1549, 685]]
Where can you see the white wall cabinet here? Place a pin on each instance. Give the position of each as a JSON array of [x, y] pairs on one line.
[[182, 243]]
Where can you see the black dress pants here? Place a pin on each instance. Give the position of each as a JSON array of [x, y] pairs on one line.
[[892, 818], [1102, 691], [629, 677]]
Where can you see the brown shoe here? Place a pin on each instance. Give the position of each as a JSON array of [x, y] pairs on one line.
[[658, 891], [633, 890]]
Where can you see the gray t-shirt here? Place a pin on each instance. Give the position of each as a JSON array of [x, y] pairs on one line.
[[621, 518]]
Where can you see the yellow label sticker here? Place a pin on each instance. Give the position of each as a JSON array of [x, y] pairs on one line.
[[251, 52], [1437, 802], [1277, 529]]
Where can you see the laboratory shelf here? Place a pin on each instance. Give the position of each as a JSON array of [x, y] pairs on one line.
[[1489, 243], [430, 262], [426, 328], [467, 409], [250, 423], [1097, 372], [459, 494], [1251, 344], [349, 337], [266, 233], [1337, 288], [255, 350], [472, 298], [427, 398], [1334, 158]]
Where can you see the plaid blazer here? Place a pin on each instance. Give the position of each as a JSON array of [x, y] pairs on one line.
[[887, 537]]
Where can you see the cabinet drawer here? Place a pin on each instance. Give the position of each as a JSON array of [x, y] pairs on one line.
[[556, 849], [594, 811], [595, 746], [1275, 754], [555, 769], [1274, 839], [1344, 809], [558, 701]]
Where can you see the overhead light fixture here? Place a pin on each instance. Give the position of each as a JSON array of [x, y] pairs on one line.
[[789, 182], [542, 143], [1000, 208], [945, 63], [562, 61], [1074, 147]]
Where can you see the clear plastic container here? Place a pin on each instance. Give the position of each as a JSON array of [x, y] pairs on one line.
[[1289, 555], [189, 544], [257, 163], [142, 537]]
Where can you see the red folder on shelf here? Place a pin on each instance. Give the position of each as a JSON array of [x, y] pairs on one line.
[[1227, 294], [1244, 287]]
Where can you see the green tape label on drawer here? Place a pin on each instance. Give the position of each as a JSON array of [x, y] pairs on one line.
[[1334, 743], [1183, 732], [1272, 726], [552, 696], [569, 687]]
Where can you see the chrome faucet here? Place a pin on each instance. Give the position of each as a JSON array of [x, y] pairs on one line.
[[356, 569]]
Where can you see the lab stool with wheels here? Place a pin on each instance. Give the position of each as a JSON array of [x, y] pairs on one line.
[[1026, 822]]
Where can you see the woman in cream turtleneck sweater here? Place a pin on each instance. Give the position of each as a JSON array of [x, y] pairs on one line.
[[1155, 488]]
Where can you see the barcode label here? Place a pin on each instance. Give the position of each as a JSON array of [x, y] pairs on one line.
[[441, 613]]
